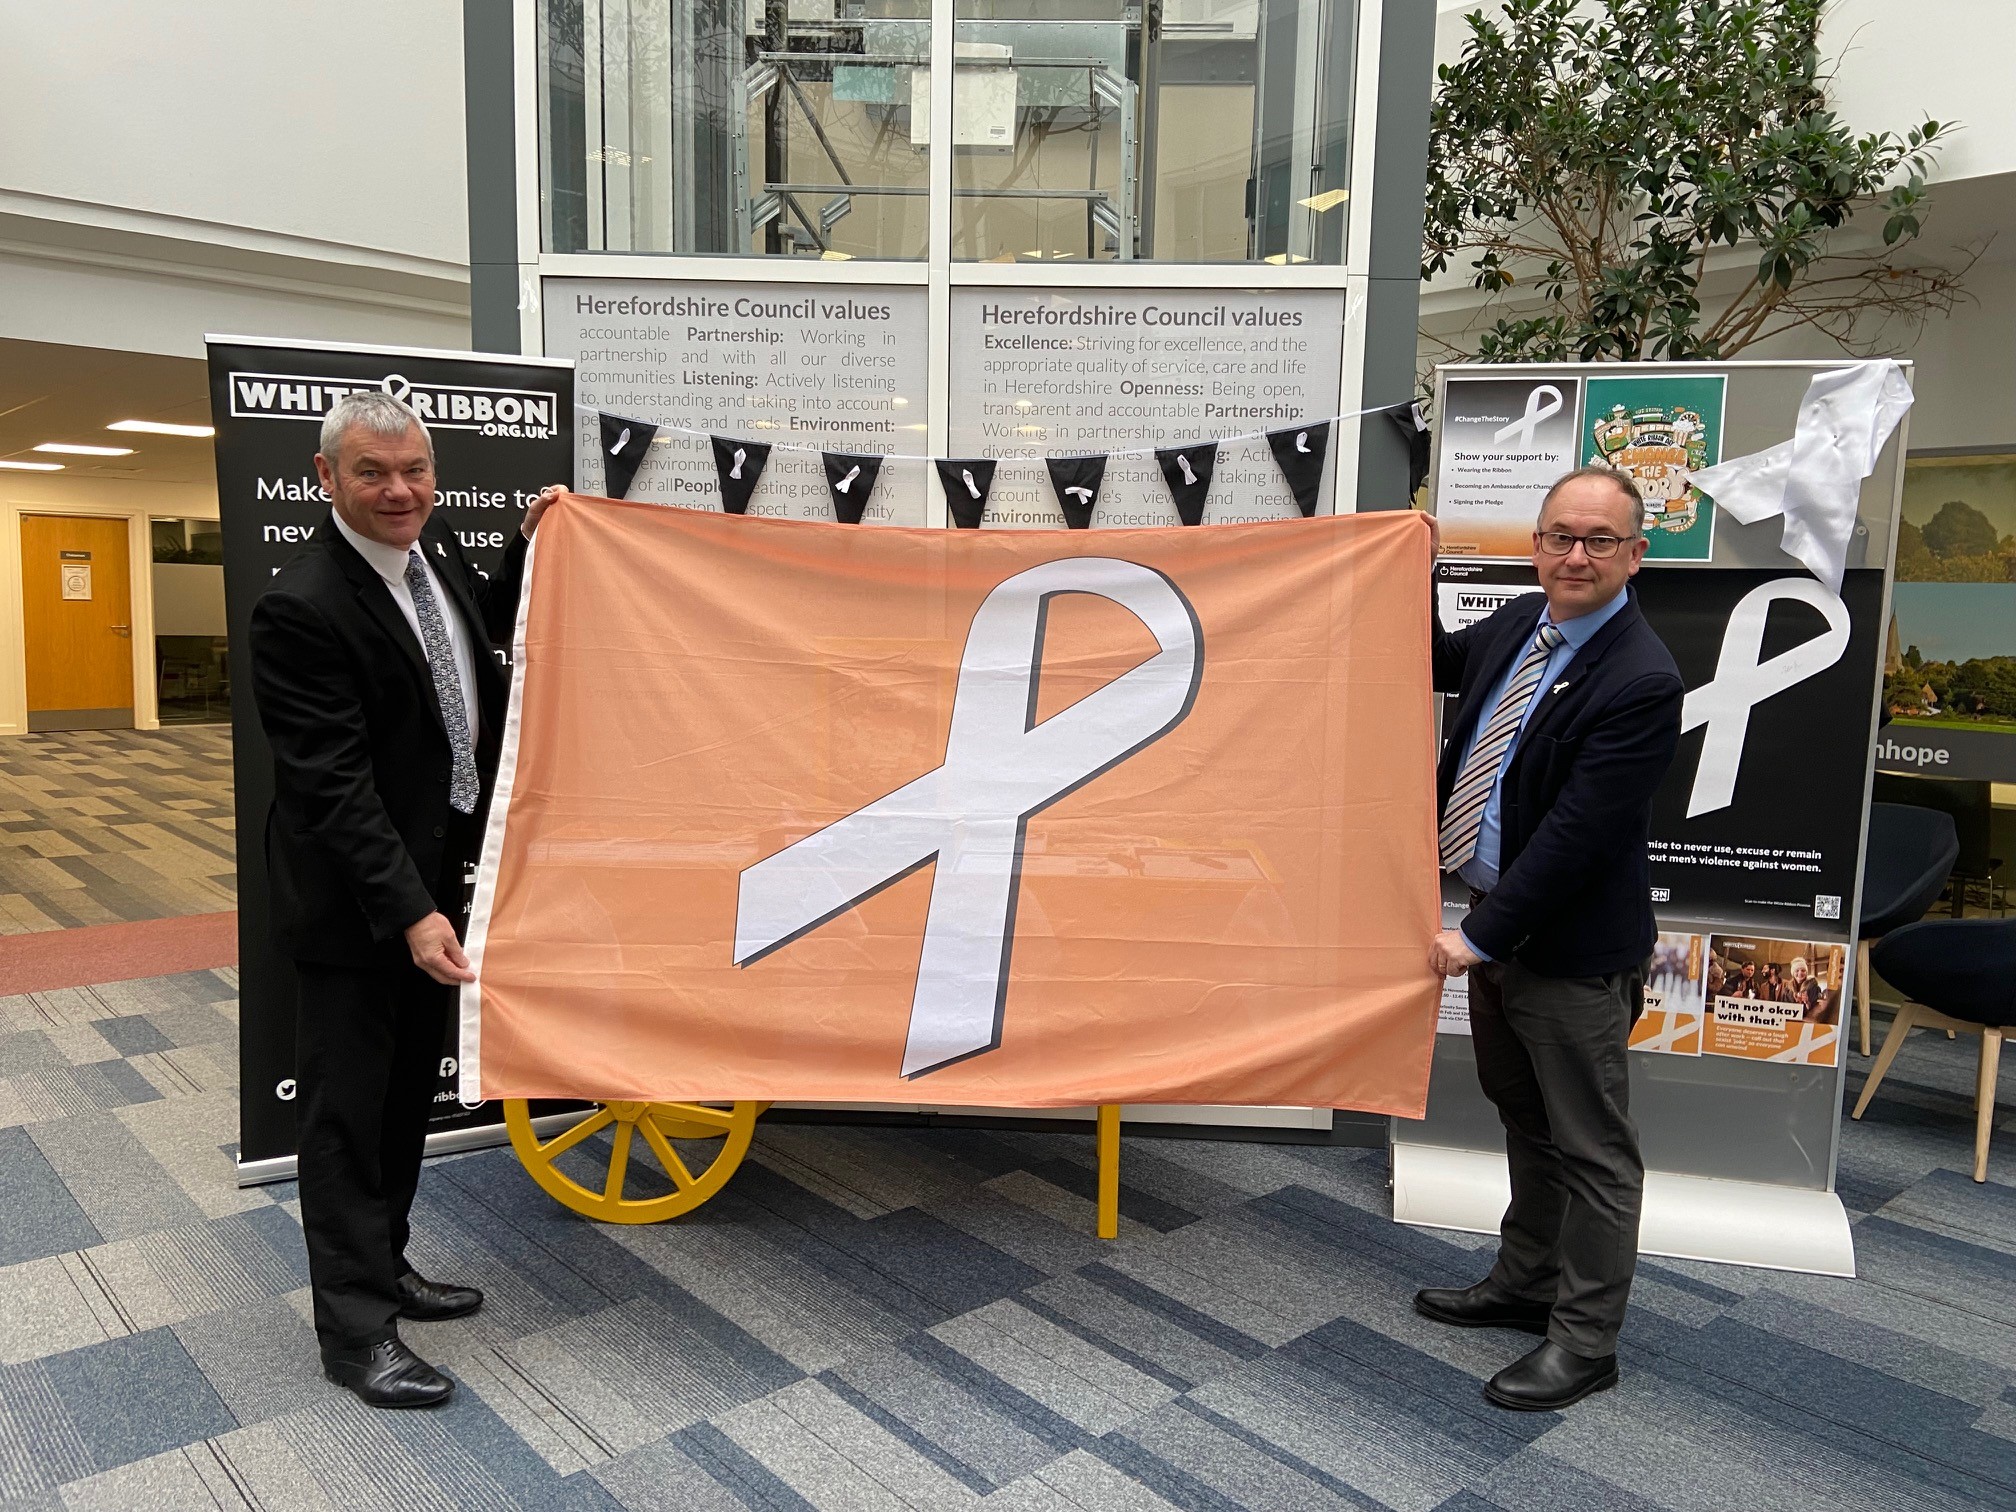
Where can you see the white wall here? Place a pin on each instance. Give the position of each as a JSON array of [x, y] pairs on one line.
[[264, 166]]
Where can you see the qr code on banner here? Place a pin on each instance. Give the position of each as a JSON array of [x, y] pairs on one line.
[[1827, 906]]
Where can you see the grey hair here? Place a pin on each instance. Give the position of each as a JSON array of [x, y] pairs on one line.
[[1617, 478], [375, 411]]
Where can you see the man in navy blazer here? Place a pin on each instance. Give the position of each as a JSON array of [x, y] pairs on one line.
[[1567, 716]]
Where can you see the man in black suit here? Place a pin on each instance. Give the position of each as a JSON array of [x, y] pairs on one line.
[[1568, 715], [383, 704]]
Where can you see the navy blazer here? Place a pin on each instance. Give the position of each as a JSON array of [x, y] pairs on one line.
[[1574, 887]]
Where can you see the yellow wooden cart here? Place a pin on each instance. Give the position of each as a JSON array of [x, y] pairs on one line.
[[715, 1137]]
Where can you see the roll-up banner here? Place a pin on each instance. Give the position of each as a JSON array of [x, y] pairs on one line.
[[502, 428]]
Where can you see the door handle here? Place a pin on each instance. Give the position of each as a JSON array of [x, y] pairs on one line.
[[125, 630]]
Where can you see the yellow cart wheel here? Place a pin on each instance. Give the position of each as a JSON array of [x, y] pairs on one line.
[[716, 1137]]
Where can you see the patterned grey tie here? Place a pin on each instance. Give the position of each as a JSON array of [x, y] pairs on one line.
[[1463, 819], [462, 786]]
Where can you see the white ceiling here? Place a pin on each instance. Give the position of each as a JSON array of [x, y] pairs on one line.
[[68, 393]]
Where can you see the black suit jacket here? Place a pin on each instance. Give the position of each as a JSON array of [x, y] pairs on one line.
[[358, 838], [1574, 887]]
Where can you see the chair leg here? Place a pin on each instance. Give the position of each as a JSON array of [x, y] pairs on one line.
[[1907, 1014], [1984, 1099], [1862, 991]]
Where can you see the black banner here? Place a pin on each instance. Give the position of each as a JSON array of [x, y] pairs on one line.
[[1758, 825], [740, 465], [1077, 480], [966, 481], [1187, 469], [1299, 453], [624, 444], [850, 478], [502, 428]]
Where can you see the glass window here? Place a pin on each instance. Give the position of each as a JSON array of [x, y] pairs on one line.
[[1182, 131], [192, 669], [735, 127]]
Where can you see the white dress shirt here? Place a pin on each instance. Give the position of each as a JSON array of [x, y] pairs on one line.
[[389, 562]]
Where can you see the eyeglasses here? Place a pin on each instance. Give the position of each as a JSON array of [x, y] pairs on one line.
[[1560, 543]]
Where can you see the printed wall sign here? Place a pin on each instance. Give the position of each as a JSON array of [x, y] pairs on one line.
[[1775, 1000], [1503, 443]]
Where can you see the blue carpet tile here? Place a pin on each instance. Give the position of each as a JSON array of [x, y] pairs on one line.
[[921, 1319]]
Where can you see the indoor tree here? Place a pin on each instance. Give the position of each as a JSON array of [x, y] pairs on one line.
[[1587, 157]]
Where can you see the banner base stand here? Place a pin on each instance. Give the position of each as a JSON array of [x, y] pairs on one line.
[[446, 1142], [1685, 1217]]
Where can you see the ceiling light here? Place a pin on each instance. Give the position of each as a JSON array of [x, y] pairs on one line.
[[85, 451], [162, 428], [33, 466]]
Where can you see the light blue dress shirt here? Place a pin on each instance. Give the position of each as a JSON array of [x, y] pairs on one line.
[[1481, 870]]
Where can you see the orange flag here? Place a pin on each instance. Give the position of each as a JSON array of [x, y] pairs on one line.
[[983, 818]]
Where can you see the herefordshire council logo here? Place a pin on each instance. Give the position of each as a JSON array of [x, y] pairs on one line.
[[524, 413]]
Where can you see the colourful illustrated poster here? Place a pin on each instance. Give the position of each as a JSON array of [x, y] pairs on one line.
[[1775, 1000], [1675, 997], [1662, 431]]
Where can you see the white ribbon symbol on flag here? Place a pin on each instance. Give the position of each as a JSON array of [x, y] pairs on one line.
[[1544, 403], [1084, 494], [1302, 442], [1741, 682], [621, 441], [966, 475], [1189, 477], [969, 814], [848, 482], [740, 456]]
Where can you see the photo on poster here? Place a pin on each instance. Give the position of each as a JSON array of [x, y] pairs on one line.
[[1503, 442], [1675, 996], [1662, 431], [1774, 1000], [1950, 659]]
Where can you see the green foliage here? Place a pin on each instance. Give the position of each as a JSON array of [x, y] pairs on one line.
[[1959, 529], [1592, 155]]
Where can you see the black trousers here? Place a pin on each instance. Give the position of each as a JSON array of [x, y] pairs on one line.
[[367, 1058], [1551, 1056]]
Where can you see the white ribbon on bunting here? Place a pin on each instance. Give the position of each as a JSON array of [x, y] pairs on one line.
[[1815, 479]]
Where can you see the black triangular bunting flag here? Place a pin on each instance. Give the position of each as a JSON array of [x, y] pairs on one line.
[[1077, 481], [1414, 430], [624, 443], [1300, 452], [740, 464], [850, 478], [1188, 471], [967, 481]]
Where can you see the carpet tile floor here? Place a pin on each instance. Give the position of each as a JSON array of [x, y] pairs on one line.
[[920, 1319]]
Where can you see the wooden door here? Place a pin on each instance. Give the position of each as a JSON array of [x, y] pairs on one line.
[[77, 622]]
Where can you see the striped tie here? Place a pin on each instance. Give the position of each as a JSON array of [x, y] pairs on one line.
[[1463, 820]]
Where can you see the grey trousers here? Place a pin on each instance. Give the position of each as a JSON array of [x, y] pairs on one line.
[[1551, 1057]]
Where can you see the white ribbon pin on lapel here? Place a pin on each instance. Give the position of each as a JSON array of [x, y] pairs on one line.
[[1544, 403], [969, 814], [1741, 682], [1815, 479]]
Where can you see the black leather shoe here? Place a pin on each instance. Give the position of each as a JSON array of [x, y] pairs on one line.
[[1549, 1378], [1485, 1305], [388, 1375], [425, 1301]]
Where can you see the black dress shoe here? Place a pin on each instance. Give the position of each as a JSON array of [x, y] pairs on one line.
[[388, 1375], [1485, 1305], [425, 1301], [1549, 1378]]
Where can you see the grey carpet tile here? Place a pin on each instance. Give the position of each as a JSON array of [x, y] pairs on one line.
[[921, 1319]]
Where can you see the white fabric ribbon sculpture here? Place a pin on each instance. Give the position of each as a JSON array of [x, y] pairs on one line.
[[1815, 479]]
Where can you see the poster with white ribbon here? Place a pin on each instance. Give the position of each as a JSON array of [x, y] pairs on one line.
[[1503, 443]]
